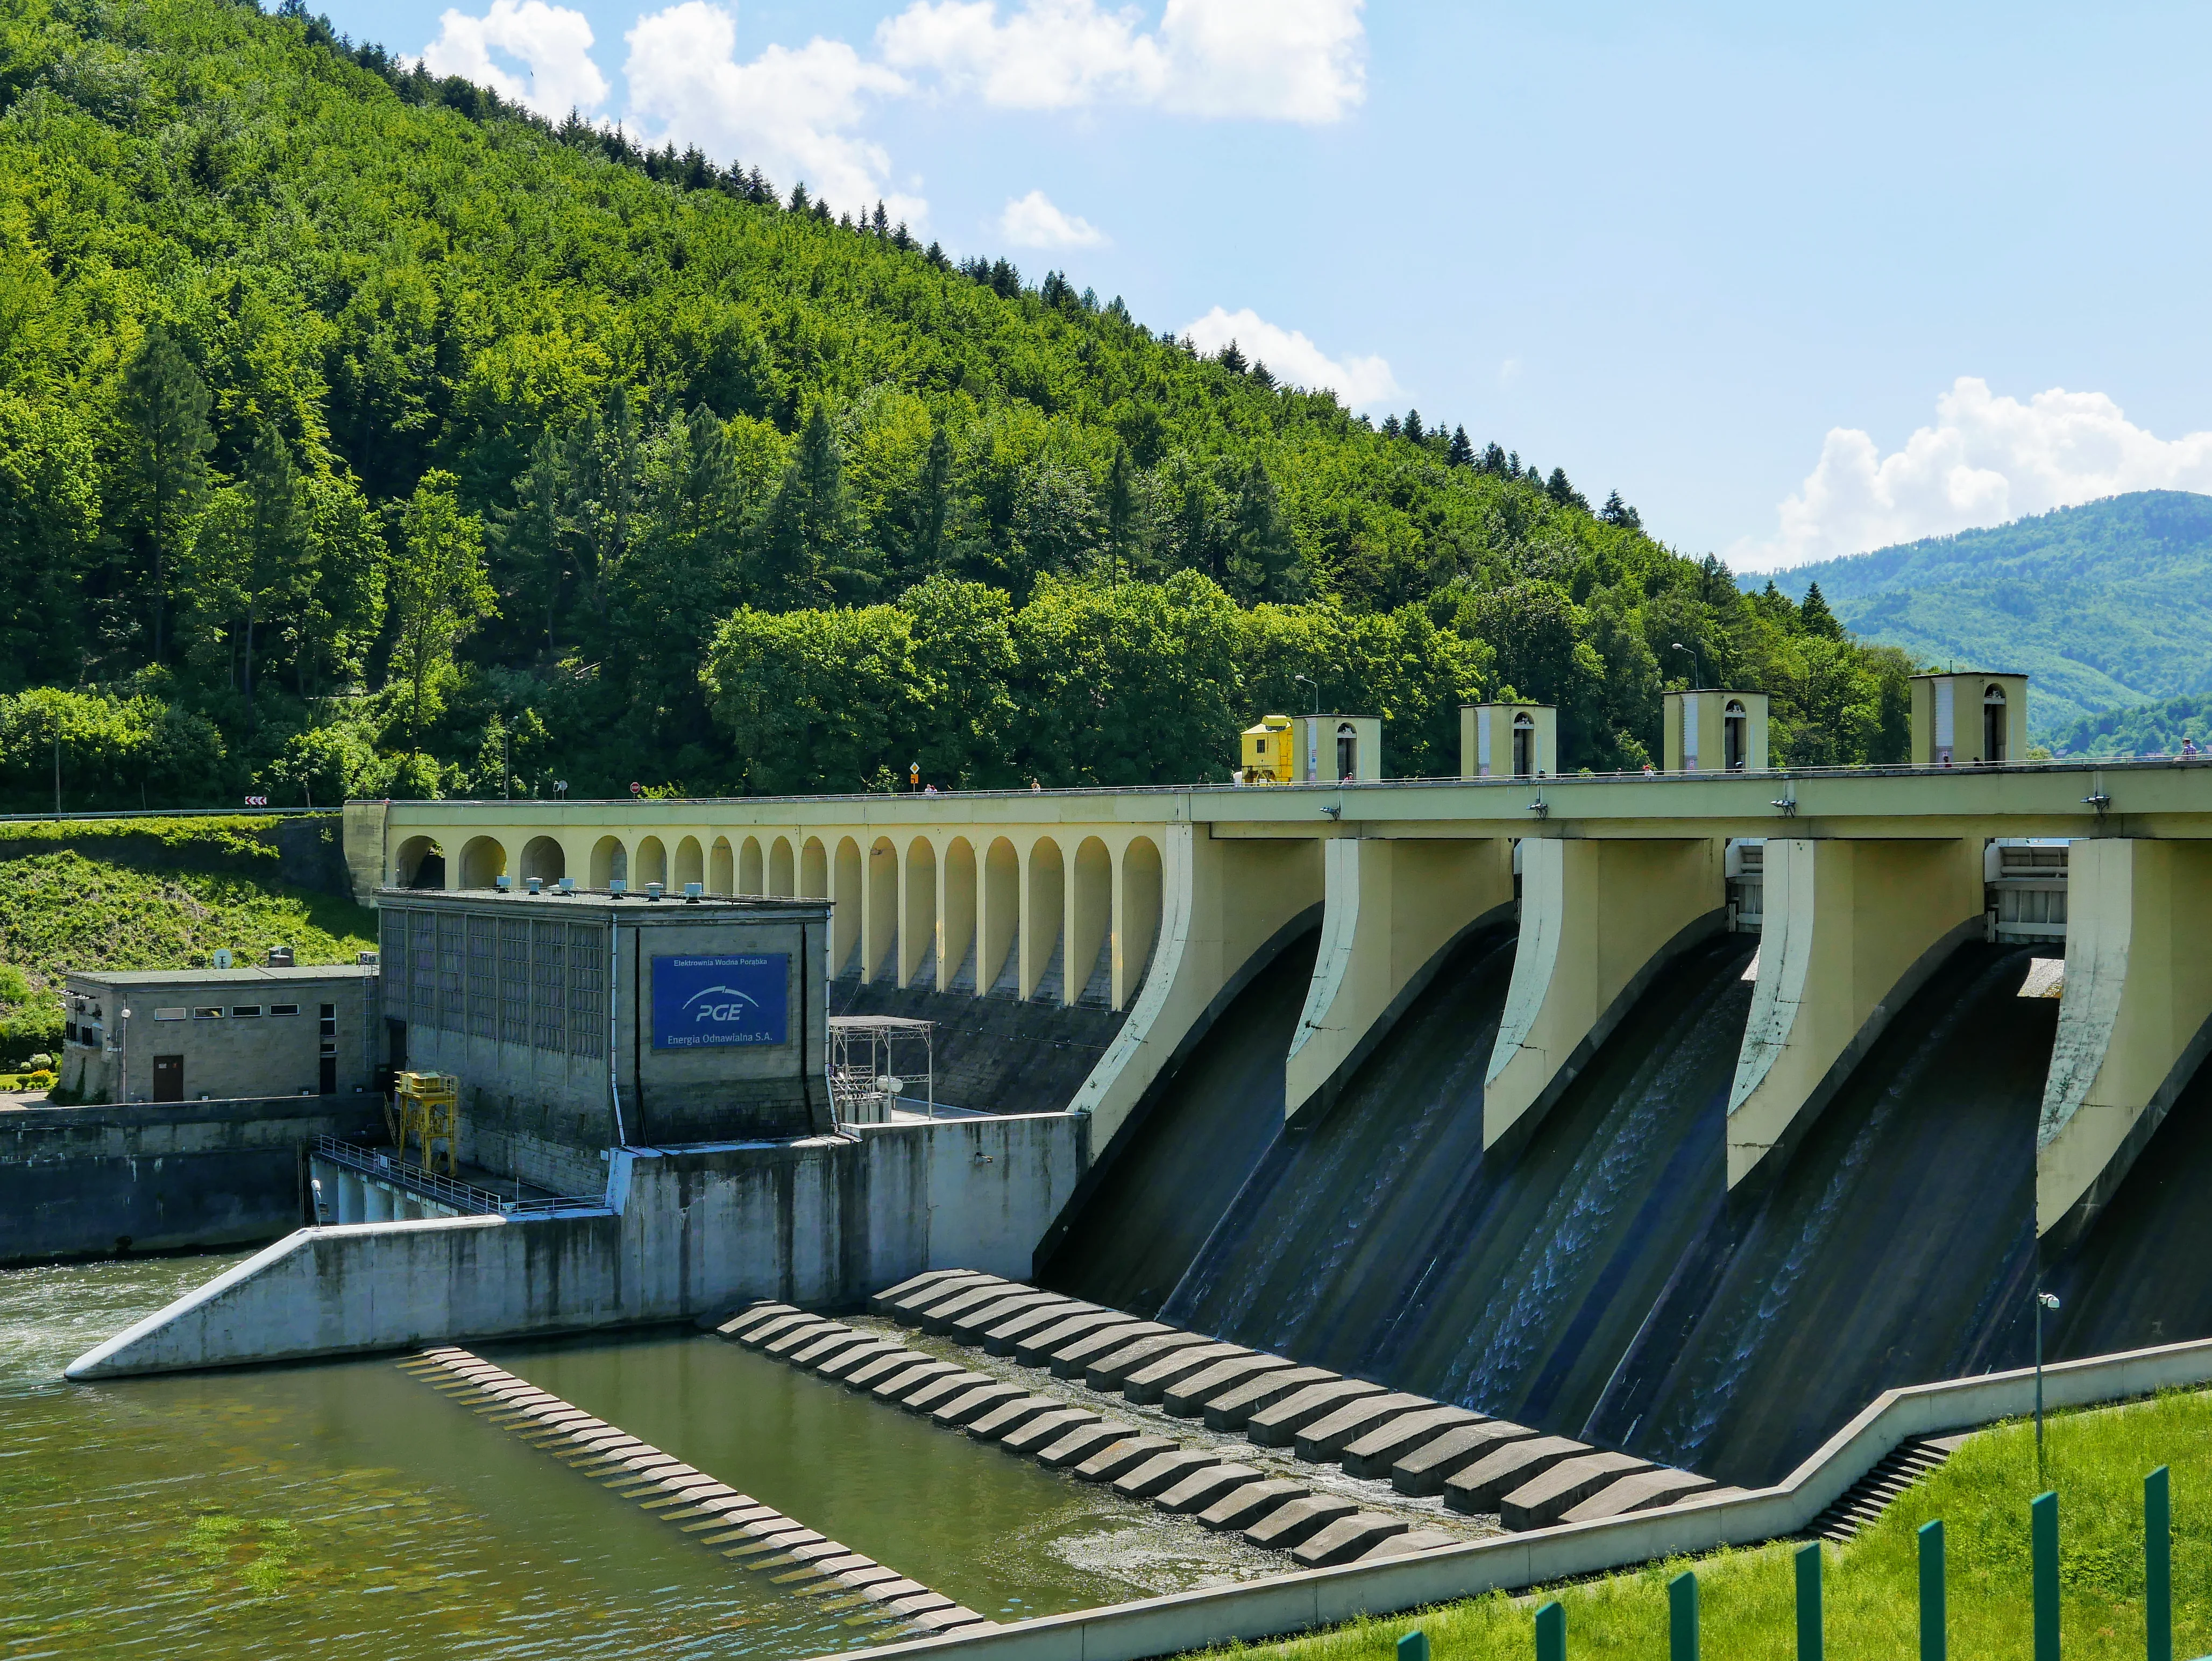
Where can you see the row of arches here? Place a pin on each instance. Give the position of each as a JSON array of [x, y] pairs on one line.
[[1024, 917]]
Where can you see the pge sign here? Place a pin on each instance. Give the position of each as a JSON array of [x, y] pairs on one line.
[[711, 1002]]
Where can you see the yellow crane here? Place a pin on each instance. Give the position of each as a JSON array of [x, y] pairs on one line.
[[428, 1111], [1267, 758]]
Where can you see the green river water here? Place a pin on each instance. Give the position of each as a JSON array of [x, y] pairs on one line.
[[346, 1509]]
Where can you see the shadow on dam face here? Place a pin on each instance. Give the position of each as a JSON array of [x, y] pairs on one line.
[[1135, 1229], [2140, 1274]]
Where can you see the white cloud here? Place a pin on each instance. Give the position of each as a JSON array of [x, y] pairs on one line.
[[1289, 356], [793, 113], [552, 42], [1285, 60], [1987, 460], [1032, 222]]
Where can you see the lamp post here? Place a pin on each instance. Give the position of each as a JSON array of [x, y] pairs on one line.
[[1696, 672], [124, 1017], [2043, 1300]]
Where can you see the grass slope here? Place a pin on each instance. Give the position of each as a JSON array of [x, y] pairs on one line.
[[2105, 605], [2097, 1462], [148, 895]]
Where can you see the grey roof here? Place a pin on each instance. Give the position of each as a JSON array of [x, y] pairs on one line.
[[599, 900], [221, 977]]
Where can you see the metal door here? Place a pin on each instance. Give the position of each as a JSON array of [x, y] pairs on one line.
[[168, 1078]]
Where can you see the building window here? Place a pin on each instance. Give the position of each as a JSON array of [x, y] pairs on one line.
[[69, 1031], [244, 1011], [283, 1009], [326, 1011], [207, 1015], [176, 1013]]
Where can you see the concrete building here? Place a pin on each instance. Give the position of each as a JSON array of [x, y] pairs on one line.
[[580, 1023], [219, 1034], [1969, 720], [1500, 741], [1715, 731]]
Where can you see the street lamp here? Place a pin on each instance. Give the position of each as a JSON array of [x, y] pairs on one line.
[[1311, 681], [2043, 1300], [124, 1017], [1695, 674]]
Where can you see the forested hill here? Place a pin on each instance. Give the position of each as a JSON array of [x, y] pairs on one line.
[[2106, 605], [359, 435]]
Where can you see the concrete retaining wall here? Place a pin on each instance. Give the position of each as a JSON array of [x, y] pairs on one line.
[[821, 1223], [1319, 1597], [92, 1181]]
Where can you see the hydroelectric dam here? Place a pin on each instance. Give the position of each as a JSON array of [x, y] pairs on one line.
[[1689, 1117]]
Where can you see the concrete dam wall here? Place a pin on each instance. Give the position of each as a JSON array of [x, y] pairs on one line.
[[1600, 1280]]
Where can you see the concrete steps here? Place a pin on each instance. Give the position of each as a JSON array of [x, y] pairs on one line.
[[1865, 1501], [1478, 1465], [752, 1536]]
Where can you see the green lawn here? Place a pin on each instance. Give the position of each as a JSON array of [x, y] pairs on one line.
[[2097, 1460]]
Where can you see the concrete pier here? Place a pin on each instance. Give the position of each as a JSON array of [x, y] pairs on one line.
[[683, 1233], [2134, 1018]]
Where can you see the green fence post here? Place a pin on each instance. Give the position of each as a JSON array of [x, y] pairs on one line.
[[1932, 1646], [1682, 1617], [2158, 1568], [1551, 1632], [2042, 1549], [1413, 1646], [1809, 1646]]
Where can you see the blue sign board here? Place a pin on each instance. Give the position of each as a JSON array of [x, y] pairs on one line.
[[712, 1002]]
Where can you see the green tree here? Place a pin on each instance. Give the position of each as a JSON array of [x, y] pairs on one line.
[[803, 555], [1263, 562], [252, 556], [163, 479], [438, 592]]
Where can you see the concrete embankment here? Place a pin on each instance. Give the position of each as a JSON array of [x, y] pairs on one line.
[[685, 1232], [756, 1536], [162, 1176]]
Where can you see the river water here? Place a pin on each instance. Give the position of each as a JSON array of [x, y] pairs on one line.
[[346, 1509]]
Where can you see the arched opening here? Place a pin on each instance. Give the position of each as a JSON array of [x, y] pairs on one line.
[[814, 870], [882, 918], [1044, 966], [420, 864], [845, 921], [1735, 736], [543, 859], [1347, 751], [1524, 745], [999, 958], [956, 930], [1137, 920], [779, 868], [610, 862], [483, 861], [918, 925], [749, 867], [722, 870], [1090, 926], [690, 863], [652, 863], [1993, 725]]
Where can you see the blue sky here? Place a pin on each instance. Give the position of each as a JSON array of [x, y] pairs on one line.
[[1797, 281]]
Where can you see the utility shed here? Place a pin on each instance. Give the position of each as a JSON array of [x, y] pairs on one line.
[[576, 1022], [220, 1035], [1969, 719]]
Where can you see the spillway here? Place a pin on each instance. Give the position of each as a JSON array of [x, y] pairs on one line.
[[1599, 1283], [2142, 1273], [1895, 1246], [1147, 1211]]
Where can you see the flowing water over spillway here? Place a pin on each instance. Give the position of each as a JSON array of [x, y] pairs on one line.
[[1599, 1283], [345, 1510]]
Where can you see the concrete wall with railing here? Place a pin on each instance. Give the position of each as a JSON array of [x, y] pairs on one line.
[[1320, 1598]]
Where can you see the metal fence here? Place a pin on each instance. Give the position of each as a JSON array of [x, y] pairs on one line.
[[463, 1197]]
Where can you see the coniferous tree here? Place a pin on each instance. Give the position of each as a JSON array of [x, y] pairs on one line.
[[1121, 512], [1461, 453], [933, 505], [1816, 618], [1263, 561], [1493, 460], [801, 202], [1390, 428], [163, 478], [1617, 512], [1232, 359], [1412, 429], [801, 557], [532, 539]]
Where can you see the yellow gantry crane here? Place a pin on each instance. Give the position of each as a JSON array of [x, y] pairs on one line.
[[428, 1111], [1268, 759]]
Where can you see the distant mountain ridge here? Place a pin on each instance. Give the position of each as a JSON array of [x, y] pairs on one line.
[[2105, 605]]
